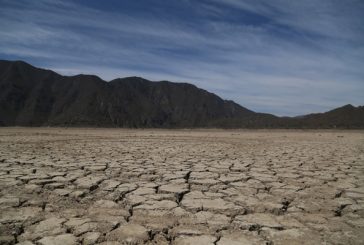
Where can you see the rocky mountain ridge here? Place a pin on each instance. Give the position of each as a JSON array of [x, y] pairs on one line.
[[31, 96]]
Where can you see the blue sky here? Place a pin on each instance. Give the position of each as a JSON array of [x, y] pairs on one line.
[[277, 56]]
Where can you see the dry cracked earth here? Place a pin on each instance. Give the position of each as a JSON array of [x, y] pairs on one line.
[[115, 186]]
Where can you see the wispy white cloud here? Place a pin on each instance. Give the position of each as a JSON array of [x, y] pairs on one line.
[[332, 18], [303, 56]]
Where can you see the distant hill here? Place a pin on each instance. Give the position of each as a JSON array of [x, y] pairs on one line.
[[30, 96], [347, 116]]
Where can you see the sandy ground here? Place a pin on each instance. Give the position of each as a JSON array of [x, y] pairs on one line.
[[114, 186]]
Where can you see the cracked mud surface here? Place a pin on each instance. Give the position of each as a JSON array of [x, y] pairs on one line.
[[114, 186]]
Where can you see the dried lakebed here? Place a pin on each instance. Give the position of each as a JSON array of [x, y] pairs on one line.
[[115, 186]]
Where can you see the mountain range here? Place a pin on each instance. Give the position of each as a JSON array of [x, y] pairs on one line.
[[31, 96]]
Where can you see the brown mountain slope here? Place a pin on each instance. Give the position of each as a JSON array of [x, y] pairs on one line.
[[33, 97], [30, 96]]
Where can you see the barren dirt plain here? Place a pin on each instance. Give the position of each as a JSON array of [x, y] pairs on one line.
[[117, 186]]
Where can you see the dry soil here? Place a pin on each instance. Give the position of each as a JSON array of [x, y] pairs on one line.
[[116, 186]]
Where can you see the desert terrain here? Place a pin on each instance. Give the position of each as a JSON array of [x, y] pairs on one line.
[[118, 186]]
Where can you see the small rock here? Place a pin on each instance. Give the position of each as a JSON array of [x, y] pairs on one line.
[[48, 227], [65, 239], [240, 237], [77, 194], [90, 238], [6, 202], [25, 243], [7, 240], [192, 240], [173, 188], [131, 233]]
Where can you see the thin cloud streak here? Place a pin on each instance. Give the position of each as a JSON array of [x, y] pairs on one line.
[[275, 66]]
